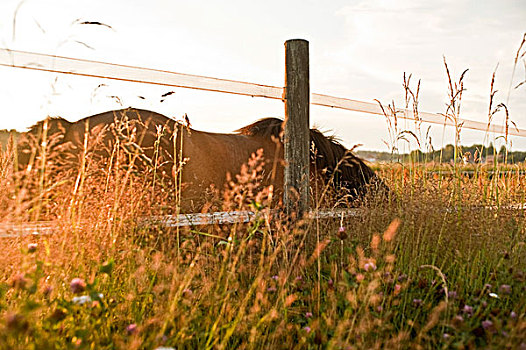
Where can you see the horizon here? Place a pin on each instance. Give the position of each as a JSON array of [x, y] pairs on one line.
[[359, 50]]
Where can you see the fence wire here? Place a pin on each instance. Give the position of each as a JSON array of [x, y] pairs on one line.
[[89, 68]]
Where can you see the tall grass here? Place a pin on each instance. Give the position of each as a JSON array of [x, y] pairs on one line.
[[440, 263], [421, 270]]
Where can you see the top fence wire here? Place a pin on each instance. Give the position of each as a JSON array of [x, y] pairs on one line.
[[82, 67]]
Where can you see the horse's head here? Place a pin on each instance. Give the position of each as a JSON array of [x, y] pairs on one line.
[[331, 162], [337, 166]]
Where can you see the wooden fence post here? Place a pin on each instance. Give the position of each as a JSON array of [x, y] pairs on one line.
[[297, 133]]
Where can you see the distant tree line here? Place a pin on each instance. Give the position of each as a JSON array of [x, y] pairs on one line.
[[465, 154]]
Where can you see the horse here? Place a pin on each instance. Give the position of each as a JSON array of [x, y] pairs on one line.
[[198, 161]]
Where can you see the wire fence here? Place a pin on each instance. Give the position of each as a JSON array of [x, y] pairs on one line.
[[89, 68]]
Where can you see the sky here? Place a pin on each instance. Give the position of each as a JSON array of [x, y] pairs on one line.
[[358, 49]]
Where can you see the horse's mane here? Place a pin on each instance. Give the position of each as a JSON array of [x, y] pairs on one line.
[[265, 127], [330, 156]]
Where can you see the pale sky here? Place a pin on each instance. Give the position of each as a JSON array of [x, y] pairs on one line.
[[358, 50]]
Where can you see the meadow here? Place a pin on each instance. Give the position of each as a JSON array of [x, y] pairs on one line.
[[440, 263]]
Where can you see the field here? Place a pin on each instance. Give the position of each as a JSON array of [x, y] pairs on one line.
[[440, 263]]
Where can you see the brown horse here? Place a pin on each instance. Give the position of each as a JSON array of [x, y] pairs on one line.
[[154, 141]]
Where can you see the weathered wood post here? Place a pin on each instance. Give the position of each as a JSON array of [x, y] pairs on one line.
[[297, 134]]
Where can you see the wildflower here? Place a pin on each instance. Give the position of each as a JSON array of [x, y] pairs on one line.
[[341, 233], [131, 328], [81, 299], [402, 277], [360, 277], [417, 302], [493, 295], [77, 285], [452, 294], [369, 266], [379, 308], [467, 309], [307, 329], [76, 341], [457, 320], [47, 291], [187, 292], [513, 315], [19, 281], [505, 289], [446, 336], [271, 289], [488, 326], [32, 247], [84, 299], [330, 282], [488, 286], [397, 288], [275, 277], [308, 314]]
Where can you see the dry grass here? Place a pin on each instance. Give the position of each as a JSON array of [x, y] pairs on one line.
[[440, 263], [268, 283]]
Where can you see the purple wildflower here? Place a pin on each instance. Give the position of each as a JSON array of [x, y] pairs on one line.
[[32, 247], [488, 325], [417, 302], [402, 277], [513, 315], [370, 266], [458, 320], [308, 314], [307, 329], [47, 290], [77, 285], [275, 277], [467, 309], [341, 233], [505, 289], [131, 328]]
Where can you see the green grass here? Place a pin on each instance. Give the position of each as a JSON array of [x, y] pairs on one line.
[[427, 268]]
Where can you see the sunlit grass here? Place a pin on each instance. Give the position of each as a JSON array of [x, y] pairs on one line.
[[438, 263], [429, 267]]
